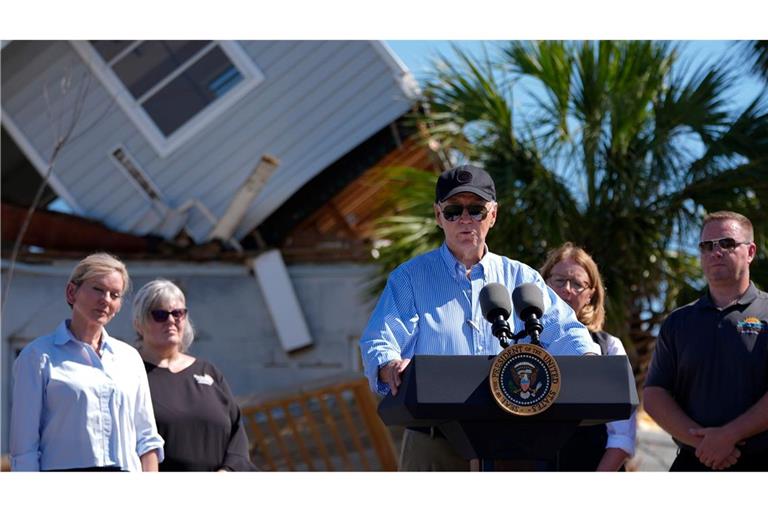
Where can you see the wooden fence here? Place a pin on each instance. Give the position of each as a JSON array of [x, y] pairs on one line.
[[329, 427]]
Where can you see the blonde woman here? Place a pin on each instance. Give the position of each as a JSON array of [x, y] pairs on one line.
[[195, 410], [80, 397], [573, 275]]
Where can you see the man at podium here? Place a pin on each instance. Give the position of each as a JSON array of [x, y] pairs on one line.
[[430, 306]]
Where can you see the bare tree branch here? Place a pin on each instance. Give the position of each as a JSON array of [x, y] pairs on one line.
[[60, 139]]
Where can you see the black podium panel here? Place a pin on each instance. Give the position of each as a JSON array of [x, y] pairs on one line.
[[453, 393]]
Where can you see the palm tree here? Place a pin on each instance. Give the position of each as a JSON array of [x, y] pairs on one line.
[[756, 56], [622, 151]]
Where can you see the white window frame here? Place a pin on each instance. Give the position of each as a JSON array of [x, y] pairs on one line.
[[165, 145]]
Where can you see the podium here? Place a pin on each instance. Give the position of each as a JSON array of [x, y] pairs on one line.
[[453, 394]]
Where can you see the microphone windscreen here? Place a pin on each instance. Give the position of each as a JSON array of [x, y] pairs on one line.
[[494, 301], [528, 300]]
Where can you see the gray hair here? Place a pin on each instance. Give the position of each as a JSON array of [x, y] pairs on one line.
[[153, 295]]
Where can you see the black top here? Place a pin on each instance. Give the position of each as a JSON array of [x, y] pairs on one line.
[[198, 418], [714, 362]]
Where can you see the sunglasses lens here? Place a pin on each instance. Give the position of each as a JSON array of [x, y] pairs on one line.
[[159, 315], [452, 212], [477, 211], [726, 244]]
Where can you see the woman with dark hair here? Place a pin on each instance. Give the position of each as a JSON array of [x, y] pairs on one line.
[[80, 397], [195, 410], [573, 275]]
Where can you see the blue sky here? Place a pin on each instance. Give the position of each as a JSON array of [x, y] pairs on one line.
[[417, 54]]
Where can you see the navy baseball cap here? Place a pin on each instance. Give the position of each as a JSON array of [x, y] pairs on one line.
[[465, 178]]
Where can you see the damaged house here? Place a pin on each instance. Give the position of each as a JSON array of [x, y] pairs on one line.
[[249, 172]]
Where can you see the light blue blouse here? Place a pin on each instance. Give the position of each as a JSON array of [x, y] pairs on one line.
[[72, 409]]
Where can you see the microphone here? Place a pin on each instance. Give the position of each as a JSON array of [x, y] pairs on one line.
[[496, 308], [529, 306]]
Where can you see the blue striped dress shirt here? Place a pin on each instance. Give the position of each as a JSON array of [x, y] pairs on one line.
[[430, 307]]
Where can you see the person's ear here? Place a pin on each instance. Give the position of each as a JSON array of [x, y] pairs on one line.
[[492, 213], [69, 293], [438, 216], [752, 251]]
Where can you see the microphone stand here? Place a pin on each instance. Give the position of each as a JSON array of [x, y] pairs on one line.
[[532, 328], [500, 329]]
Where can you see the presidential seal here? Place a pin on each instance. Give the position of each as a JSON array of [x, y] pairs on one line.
[[525, 379]]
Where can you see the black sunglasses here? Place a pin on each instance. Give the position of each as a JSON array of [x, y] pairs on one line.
[[161, 315], [454, 212], [726, 244]]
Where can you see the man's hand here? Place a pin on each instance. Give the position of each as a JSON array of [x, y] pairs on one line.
[[390, 373], [716, 448], [729, 461]]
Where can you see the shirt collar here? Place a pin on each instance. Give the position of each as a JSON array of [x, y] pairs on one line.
[[749, 296], [64, 335], [457, 268]]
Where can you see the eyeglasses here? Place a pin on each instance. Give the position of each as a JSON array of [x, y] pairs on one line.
[[161, 315], [452, 212], [726, 244], [561, 282]]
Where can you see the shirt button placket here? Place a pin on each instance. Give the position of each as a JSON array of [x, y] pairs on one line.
[[105, 422], [107, 404], [477, 283]]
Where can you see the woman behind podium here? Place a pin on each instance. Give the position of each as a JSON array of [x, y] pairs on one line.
[[573, 275]]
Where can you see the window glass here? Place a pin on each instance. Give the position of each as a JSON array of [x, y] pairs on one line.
[[191, 91], [150, 62], [172, 81], [108, 49]]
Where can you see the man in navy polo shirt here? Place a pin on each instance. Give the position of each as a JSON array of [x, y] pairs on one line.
[[708, 381]]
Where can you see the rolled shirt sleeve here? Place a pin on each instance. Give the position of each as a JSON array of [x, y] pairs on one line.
[[147, 436], [28, 391], [622, 433], [391, 330]]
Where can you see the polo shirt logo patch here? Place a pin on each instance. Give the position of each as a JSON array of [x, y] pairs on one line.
[[751, 325], [204, 379]]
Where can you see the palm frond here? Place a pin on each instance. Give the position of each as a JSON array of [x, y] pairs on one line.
[[624, 149]]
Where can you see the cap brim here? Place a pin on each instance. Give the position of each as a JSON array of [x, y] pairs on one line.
[[469, 188]]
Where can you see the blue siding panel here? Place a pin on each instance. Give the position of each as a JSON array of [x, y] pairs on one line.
[[318, 100]]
